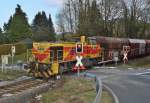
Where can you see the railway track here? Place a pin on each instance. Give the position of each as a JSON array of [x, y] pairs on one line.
[[21, 86]]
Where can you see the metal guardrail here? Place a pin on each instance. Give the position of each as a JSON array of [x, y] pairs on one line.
[[99, 90], [98, 87]]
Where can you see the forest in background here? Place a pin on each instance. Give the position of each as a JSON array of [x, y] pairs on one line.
[[114, 18]]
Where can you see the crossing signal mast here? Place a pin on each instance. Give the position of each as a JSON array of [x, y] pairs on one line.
[[79, 50]]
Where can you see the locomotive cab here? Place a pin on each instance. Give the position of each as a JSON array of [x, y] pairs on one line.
[[56, 54]]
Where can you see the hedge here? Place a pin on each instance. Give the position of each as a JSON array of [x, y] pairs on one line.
[[5, 49]]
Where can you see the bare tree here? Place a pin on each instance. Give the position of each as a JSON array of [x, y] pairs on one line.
[[123, 18]]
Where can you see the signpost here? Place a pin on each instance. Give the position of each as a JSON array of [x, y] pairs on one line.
[[79, 64], [13, 51]]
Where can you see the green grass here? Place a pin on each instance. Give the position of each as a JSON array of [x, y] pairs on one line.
[[74, 90], [11, 74], [106, 98], [138, 63]]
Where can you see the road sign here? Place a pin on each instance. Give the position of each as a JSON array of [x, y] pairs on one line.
[[13, 49], [4, 61], [125, 58], [79, 65]]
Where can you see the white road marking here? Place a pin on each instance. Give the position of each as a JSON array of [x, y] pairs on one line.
[[97, 67], [142, 73], [130, 68]]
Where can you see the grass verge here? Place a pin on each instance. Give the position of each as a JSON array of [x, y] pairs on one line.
[[74, 90], [11, 74], [106, 98], [138, 63]]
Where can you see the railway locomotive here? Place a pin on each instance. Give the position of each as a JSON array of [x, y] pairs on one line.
[[51, 59]]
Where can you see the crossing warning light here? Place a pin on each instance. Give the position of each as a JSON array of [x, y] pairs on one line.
[[79, 47]]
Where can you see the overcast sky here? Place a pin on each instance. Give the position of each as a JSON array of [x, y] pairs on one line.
[[30, 7]]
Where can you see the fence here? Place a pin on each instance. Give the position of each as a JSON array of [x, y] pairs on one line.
[[15, 62]]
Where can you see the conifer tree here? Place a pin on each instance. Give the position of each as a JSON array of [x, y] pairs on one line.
[[0, 31], [42, 28], [1, 36], [17, 27], [51, 26], [7, 25]]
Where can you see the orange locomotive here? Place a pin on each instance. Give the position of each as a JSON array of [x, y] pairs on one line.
[[50, 59]]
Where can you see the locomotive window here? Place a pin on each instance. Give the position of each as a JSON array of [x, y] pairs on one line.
[[60, 55], [51, 56]]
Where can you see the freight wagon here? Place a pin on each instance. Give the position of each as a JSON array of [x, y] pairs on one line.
[[134, 47]]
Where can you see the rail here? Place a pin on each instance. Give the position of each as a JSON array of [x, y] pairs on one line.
[[98, 87], [20, 86], [23, 91]]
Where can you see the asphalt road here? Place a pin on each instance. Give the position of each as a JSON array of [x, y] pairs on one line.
[[127, 85]]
